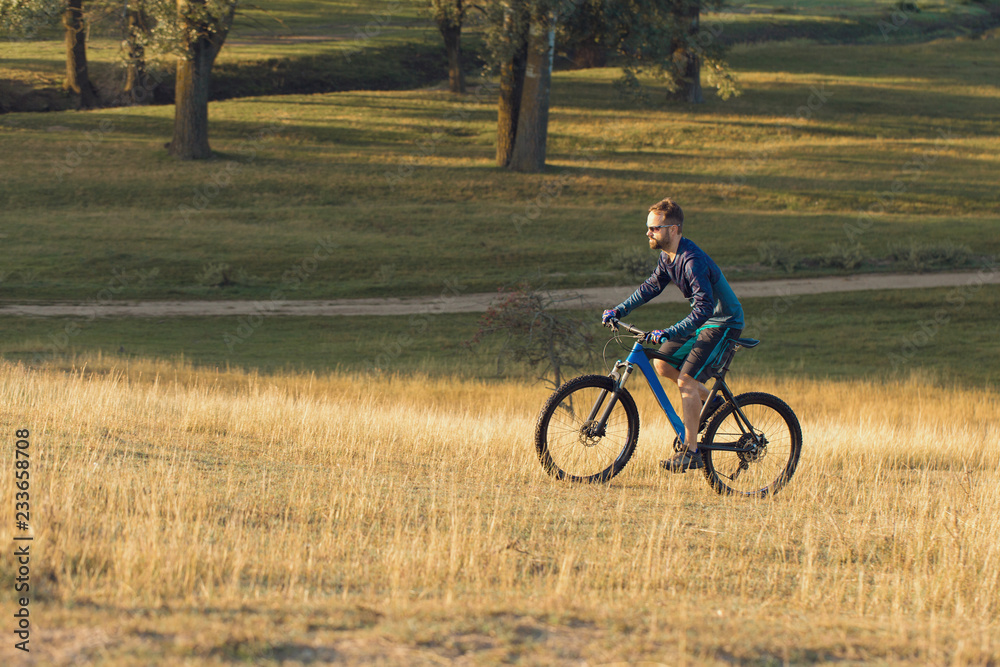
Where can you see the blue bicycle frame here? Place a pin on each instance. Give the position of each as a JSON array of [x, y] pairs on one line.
[[637, 357]]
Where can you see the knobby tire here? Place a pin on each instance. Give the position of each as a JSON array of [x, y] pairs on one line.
[[567, 450], [765, 470]]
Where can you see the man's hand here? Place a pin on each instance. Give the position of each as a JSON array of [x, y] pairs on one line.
[[609, 315], [657, 337]]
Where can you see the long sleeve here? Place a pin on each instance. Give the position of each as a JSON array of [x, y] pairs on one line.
[[649, 289], [696, 275]]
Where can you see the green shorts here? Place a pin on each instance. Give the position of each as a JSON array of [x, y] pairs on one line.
[[698, 355]]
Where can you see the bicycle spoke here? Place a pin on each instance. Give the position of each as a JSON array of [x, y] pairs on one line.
[[566, 438], [767, 448]]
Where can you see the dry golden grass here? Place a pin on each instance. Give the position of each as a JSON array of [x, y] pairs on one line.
[[194, 517]]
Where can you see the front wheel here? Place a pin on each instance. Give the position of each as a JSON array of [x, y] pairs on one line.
[[568, 439], [762, 450]]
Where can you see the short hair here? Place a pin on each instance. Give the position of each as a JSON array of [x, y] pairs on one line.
[[670, 211]]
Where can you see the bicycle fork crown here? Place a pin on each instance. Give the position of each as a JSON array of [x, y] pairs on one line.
[[621, 372]]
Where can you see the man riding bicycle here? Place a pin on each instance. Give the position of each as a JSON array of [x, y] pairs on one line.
[[694, 344]]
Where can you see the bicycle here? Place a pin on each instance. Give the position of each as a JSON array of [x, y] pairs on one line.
[[588, 429]]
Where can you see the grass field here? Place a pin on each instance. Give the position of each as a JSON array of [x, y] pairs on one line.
[[365, 490], [901, 148], [183, 516], [945, 336]]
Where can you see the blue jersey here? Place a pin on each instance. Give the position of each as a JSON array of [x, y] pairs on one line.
[[702, 284]]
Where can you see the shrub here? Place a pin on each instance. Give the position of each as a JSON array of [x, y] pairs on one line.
[[531, 332], [843, 256], [634, 263], [926, 256], [778, 256]]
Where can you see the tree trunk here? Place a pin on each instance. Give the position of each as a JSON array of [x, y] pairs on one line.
[[686, 59], [452, 34], [191, 94], [136, 25], [692, 80], [511, 84], [190, 140], [77, 76], [533, 116], [589, 54]]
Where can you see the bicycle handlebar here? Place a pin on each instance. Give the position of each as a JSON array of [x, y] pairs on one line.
[[616, 324]]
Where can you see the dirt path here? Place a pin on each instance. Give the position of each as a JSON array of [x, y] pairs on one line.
[[596, 297]]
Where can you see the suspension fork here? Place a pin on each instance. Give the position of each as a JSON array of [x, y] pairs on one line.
[[620, 374]]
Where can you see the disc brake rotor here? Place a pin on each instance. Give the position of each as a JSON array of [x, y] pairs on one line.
[[756, 448], [587, 436]]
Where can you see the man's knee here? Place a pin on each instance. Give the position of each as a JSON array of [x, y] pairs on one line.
[[686, 383], [661, 367]]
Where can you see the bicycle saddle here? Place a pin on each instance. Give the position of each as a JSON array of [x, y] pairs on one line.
[[747, 342]]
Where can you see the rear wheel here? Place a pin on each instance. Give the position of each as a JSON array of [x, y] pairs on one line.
[[767, 448], [567, 439]]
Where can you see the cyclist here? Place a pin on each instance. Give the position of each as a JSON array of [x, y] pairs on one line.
[[695, 343]]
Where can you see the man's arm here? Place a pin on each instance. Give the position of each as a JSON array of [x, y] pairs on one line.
[[702, 300], [649, 289]]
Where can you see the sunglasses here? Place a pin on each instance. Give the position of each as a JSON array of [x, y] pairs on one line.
[[656, 228]]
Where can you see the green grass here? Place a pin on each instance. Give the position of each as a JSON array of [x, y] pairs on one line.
[[947, 335], [296, 46], [405, 181], [403, 184], [850, 21], [276, 47]]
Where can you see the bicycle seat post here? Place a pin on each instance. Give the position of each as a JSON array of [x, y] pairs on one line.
[[727, 358]]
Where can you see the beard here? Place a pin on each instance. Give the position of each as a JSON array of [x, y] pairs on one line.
[[654, 244]]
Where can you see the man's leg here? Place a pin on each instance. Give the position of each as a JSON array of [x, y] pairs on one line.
[[693, 394], [698, 356], [668, 371]]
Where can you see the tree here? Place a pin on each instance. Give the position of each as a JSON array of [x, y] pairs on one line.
[[533, 115], [77, 74], [202, 27], [522, 41], [24, 18], [138, 28], [449, 16], [687, 61], [581, 35], [510, 47], [531, 332], [662, 37], [667, 39]]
